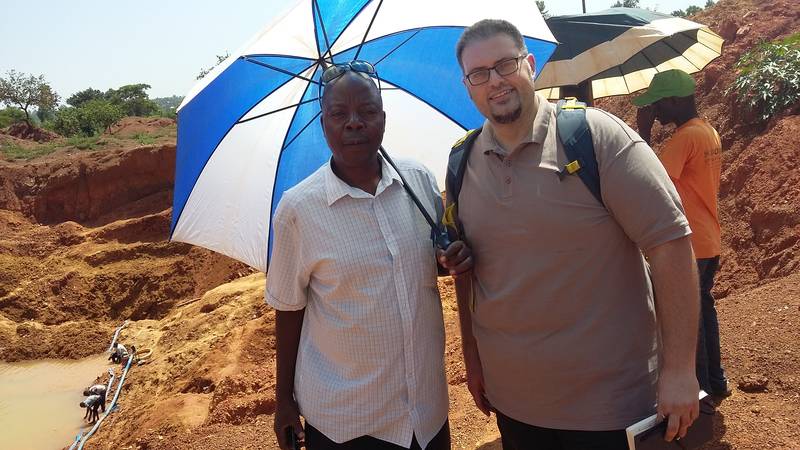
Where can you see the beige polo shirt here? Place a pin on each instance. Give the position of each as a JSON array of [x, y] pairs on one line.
[[564, 316]]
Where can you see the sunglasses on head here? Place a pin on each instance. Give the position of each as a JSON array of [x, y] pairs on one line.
[[336, 70]]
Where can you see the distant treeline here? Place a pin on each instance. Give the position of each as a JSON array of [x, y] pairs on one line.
[[89, 112]]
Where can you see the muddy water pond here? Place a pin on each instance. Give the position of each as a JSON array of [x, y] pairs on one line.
[[39, 401]]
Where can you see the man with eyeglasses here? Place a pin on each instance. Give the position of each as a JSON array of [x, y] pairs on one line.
[[359, 327], [559, 327]]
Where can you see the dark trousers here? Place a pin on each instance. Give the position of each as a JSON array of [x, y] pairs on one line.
[[516, 435], [315, 440], [710, 374]]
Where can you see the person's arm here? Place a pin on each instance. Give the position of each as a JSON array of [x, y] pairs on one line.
[[472, 360], [288, 325], [457, 261], [674, 274], [645, 117]]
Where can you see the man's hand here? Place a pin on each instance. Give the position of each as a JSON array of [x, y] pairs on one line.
[[287, 416], [475, 384], [678, 402], [644, 122], [457, 259]]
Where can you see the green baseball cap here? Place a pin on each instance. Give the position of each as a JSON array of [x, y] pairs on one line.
[[669, 83]]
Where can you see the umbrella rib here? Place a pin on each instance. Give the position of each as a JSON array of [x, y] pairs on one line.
[[324, 33], [398, 46], [301, 131], [278, 110], [681, 55], [369, 27], [278, 69]]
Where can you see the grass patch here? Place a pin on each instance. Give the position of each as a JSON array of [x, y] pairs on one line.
[[17, 152], [84, 143], [144, 138]]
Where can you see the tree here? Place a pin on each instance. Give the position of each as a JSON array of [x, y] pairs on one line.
[[542, 8], [678, 13], [709, 3], [626, 4], [100, 114], [220, 58], [692, 10], [133, 99], [168, 105], [27, 91], [79, 98]]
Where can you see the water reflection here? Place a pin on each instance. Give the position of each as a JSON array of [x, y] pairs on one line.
[[39, 401]]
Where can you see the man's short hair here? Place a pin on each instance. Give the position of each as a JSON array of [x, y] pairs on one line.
[[486, 29]]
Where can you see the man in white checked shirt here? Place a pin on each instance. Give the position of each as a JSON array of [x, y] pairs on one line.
[[359, 329]]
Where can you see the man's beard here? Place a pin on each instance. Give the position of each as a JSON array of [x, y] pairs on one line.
[[508, 117]]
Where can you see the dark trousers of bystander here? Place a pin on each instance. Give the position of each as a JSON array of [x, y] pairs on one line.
[[710, 374], [315, 440], [517, 435]]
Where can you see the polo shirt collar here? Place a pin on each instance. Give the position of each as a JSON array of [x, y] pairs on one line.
[[336, 188]]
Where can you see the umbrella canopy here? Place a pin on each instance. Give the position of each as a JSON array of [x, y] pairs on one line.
[[250, 129], [617, 51]]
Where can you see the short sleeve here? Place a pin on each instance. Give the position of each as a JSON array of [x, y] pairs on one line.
[[636, 189], [642, 198], [287, 277]]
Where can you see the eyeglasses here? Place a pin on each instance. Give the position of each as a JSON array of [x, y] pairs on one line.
[[503, 68], [335, 71]]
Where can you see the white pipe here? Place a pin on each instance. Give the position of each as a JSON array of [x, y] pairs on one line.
[[113, 403], [116, 335]]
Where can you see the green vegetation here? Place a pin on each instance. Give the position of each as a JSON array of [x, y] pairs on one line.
[[542, 8], [692, 10], [27, 92], [144, 138], [768, 79], [169, 105], [626, 4], [10, 116]]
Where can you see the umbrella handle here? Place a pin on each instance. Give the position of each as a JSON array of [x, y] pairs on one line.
[[438, 232]]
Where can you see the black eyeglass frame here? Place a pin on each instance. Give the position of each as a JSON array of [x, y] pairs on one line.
[[488, 71]]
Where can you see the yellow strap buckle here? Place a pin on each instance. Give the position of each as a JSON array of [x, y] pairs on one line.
[[571, 103], [573, 167]]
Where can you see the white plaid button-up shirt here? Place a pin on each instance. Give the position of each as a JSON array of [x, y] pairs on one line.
[[371, 353]]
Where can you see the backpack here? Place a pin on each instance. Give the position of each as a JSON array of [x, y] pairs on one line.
[[575, 136]]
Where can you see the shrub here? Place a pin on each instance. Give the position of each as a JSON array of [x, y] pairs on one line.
[[9, 116], [91, 118], [768, 79]]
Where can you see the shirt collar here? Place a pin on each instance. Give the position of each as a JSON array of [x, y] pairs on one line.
[[336, 188], [537, 134]]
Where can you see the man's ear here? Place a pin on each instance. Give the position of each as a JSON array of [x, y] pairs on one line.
[[532, 62]]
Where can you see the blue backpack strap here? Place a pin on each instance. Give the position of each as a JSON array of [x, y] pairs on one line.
[[456, 165], [575, 136]]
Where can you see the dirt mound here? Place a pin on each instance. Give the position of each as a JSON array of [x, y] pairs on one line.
[[22, 130], [83, 187], [132, 126]]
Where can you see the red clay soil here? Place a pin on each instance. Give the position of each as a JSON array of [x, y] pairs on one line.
[[83, 246], [22, 130]]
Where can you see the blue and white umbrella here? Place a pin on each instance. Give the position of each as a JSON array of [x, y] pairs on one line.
[[250, 129]]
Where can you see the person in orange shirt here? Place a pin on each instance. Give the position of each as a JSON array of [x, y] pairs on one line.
[[692, 158]]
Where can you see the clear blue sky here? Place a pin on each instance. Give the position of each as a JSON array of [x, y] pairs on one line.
[[109, 43]]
